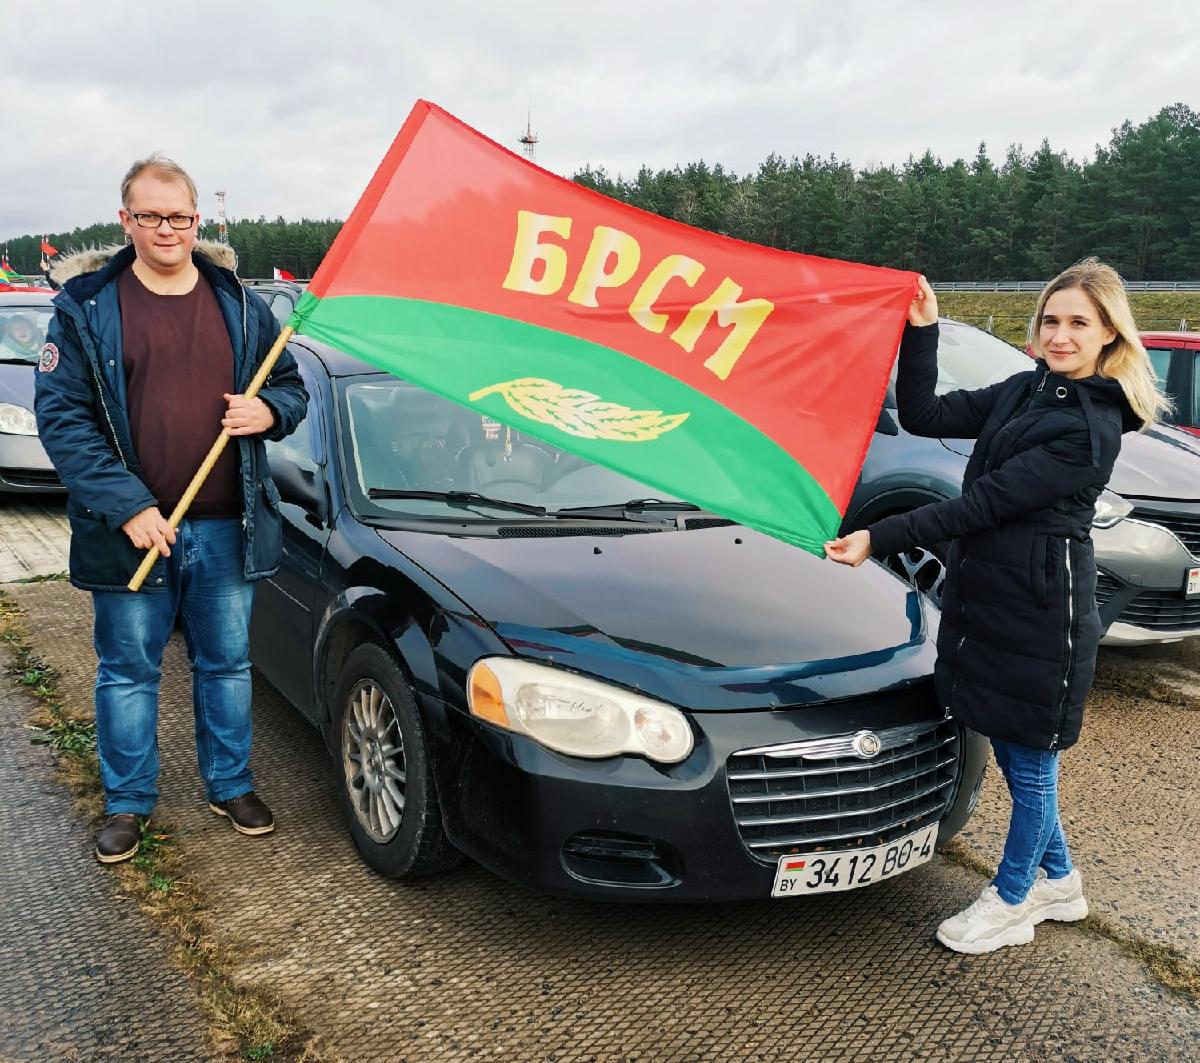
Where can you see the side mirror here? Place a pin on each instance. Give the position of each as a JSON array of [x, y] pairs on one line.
[[301, 487], [886, 425]]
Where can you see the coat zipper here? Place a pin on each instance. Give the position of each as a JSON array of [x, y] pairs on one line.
[[1066, 683], [958, 649], [1018, 413], [100, 394], [104, 406]]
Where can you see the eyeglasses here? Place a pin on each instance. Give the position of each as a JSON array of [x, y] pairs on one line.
[[149, 220]]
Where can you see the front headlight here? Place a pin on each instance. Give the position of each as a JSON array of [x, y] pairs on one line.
[[573, 714], [1110, 508], [17, 420]]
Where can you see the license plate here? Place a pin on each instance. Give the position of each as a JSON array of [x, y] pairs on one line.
[[850, 868], [1191, 585]]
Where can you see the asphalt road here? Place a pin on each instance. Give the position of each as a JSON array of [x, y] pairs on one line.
[[467, 966]]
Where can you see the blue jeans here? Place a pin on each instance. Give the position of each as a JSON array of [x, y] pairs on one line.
[[1035, 834], [205, 586]]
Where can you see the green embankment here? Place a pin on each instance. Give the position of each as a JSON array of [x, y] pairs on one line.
[[1010, 311]]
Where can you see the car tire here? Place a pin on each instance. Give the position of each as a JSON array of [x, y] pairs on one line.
[[383, 771]]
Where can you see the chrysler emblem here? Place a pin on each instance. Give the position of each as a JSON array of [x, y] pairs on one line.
[[866, 744]]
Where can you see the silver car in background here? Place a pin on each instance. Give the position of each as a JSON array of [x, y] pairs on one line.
[[24, 466]]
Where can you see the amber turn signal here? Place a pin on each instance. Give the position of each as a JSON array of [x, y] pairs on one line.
[[484, 696]]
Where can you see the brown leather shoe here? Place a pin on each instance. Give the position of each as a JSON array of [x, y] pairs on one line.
[[246, 812], [119, 838]]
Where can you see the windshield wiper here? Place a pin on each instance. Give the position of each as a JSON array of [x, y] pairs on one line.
[[619, 509], [458, 498]]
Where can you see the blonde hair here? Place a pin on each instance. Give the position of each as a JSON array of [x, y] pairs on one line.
[[162, 167], [1122, 359]]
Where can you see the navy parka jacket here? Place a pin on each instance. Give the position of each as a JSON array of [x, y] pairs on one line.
[[83, 419], [1019, 628]]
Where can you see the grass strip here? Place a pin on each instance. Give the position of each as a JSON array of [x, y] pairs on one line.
[[46, 577], [244, 1022], [1166, 964]]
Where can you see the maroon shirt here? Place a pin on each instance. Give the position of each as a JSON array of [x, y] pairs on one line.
[[178, 364]]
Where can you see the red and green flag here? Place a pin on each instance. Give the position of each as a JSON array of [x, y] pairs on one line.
[[743, 379], [8, 275]]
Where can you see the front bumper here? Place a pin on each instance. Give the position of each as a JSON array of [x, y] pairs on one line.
[[1140, 587], [24, 466], [623, 828]]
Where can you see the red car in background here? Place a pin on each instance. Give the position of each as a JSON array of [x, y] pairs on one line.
[[1176, 358]]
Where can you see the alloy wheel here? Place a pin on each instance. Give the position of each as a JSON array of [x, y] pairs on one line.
[[920, 567], [373, 759]]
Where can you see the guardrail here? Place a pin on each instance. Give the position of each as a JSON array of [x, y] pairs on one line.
[[1010, 324], [1037, 286]]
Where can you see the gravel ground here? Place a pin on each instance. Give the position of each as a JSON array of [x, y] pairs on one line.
[[466, 966]]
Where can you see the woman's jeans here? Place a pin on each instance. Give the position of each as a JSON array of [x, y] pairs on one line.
[[1035, 835], [205, 585]]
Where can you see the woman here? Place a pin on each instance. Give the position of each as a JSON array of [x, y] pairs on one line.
[[1019, 627]]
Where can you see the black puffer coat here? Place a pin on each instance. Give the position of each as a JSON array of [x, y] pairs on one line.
[[1019, 630]]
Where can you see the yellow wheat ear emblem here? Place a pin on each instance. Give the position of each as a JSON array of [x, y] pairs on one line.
[[580, 413]]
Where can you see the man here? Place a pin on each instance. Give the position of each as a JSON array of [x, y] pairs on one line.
[[149, 351]]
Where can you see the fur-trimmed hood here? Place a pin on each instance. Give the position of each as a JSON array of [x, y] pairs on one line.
[[96, 258]]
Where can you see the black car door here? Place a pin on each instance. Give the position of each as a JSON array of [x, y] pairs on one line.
[[281, 627]]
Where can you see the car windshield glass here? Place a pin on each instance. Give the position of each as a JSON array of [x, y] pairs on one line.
[[23, 332], [971, 358], [401, 438]]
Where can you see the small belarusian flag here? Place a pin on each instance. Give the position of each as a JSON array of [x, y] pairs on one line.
[[793, 865], [49, 249], [743, 379], [284, 275]]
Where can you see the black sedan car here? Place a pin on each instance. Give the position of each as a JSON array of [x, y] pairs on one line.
[[514, 654]]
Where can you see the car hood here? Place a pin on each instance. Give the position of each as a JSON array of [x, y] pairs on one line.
[[715, 618], [1161, 463], [16, 384]]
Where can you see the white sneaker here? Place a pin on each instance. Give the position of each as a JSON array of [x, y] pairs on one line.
[[1057, 898], [988, 924]]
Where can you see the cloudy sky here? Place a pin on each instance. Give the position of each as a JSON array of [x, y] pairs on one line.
[[290, 106]]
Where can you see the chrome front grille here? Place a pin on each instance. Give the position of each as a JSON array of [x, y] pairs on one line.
[[806, 796], [1106, 587], [1157, 610], [30, 478], [1162, 611]]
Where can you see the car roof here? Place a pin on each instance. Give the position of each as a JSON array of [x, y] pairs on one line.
[[26, 297], [1191, 339], [336, 363]]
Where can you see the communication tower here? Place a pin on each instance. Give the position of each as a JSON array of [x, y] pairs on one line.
[[528, 139], [222, 227]]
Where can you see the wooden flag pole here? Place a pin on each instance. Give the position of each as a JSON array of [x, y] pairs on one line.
[[152, 555]]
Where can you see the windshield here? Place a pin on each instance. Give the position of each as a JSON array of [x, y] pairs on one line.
[[399, 437], [971, 358], [23, 332]]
